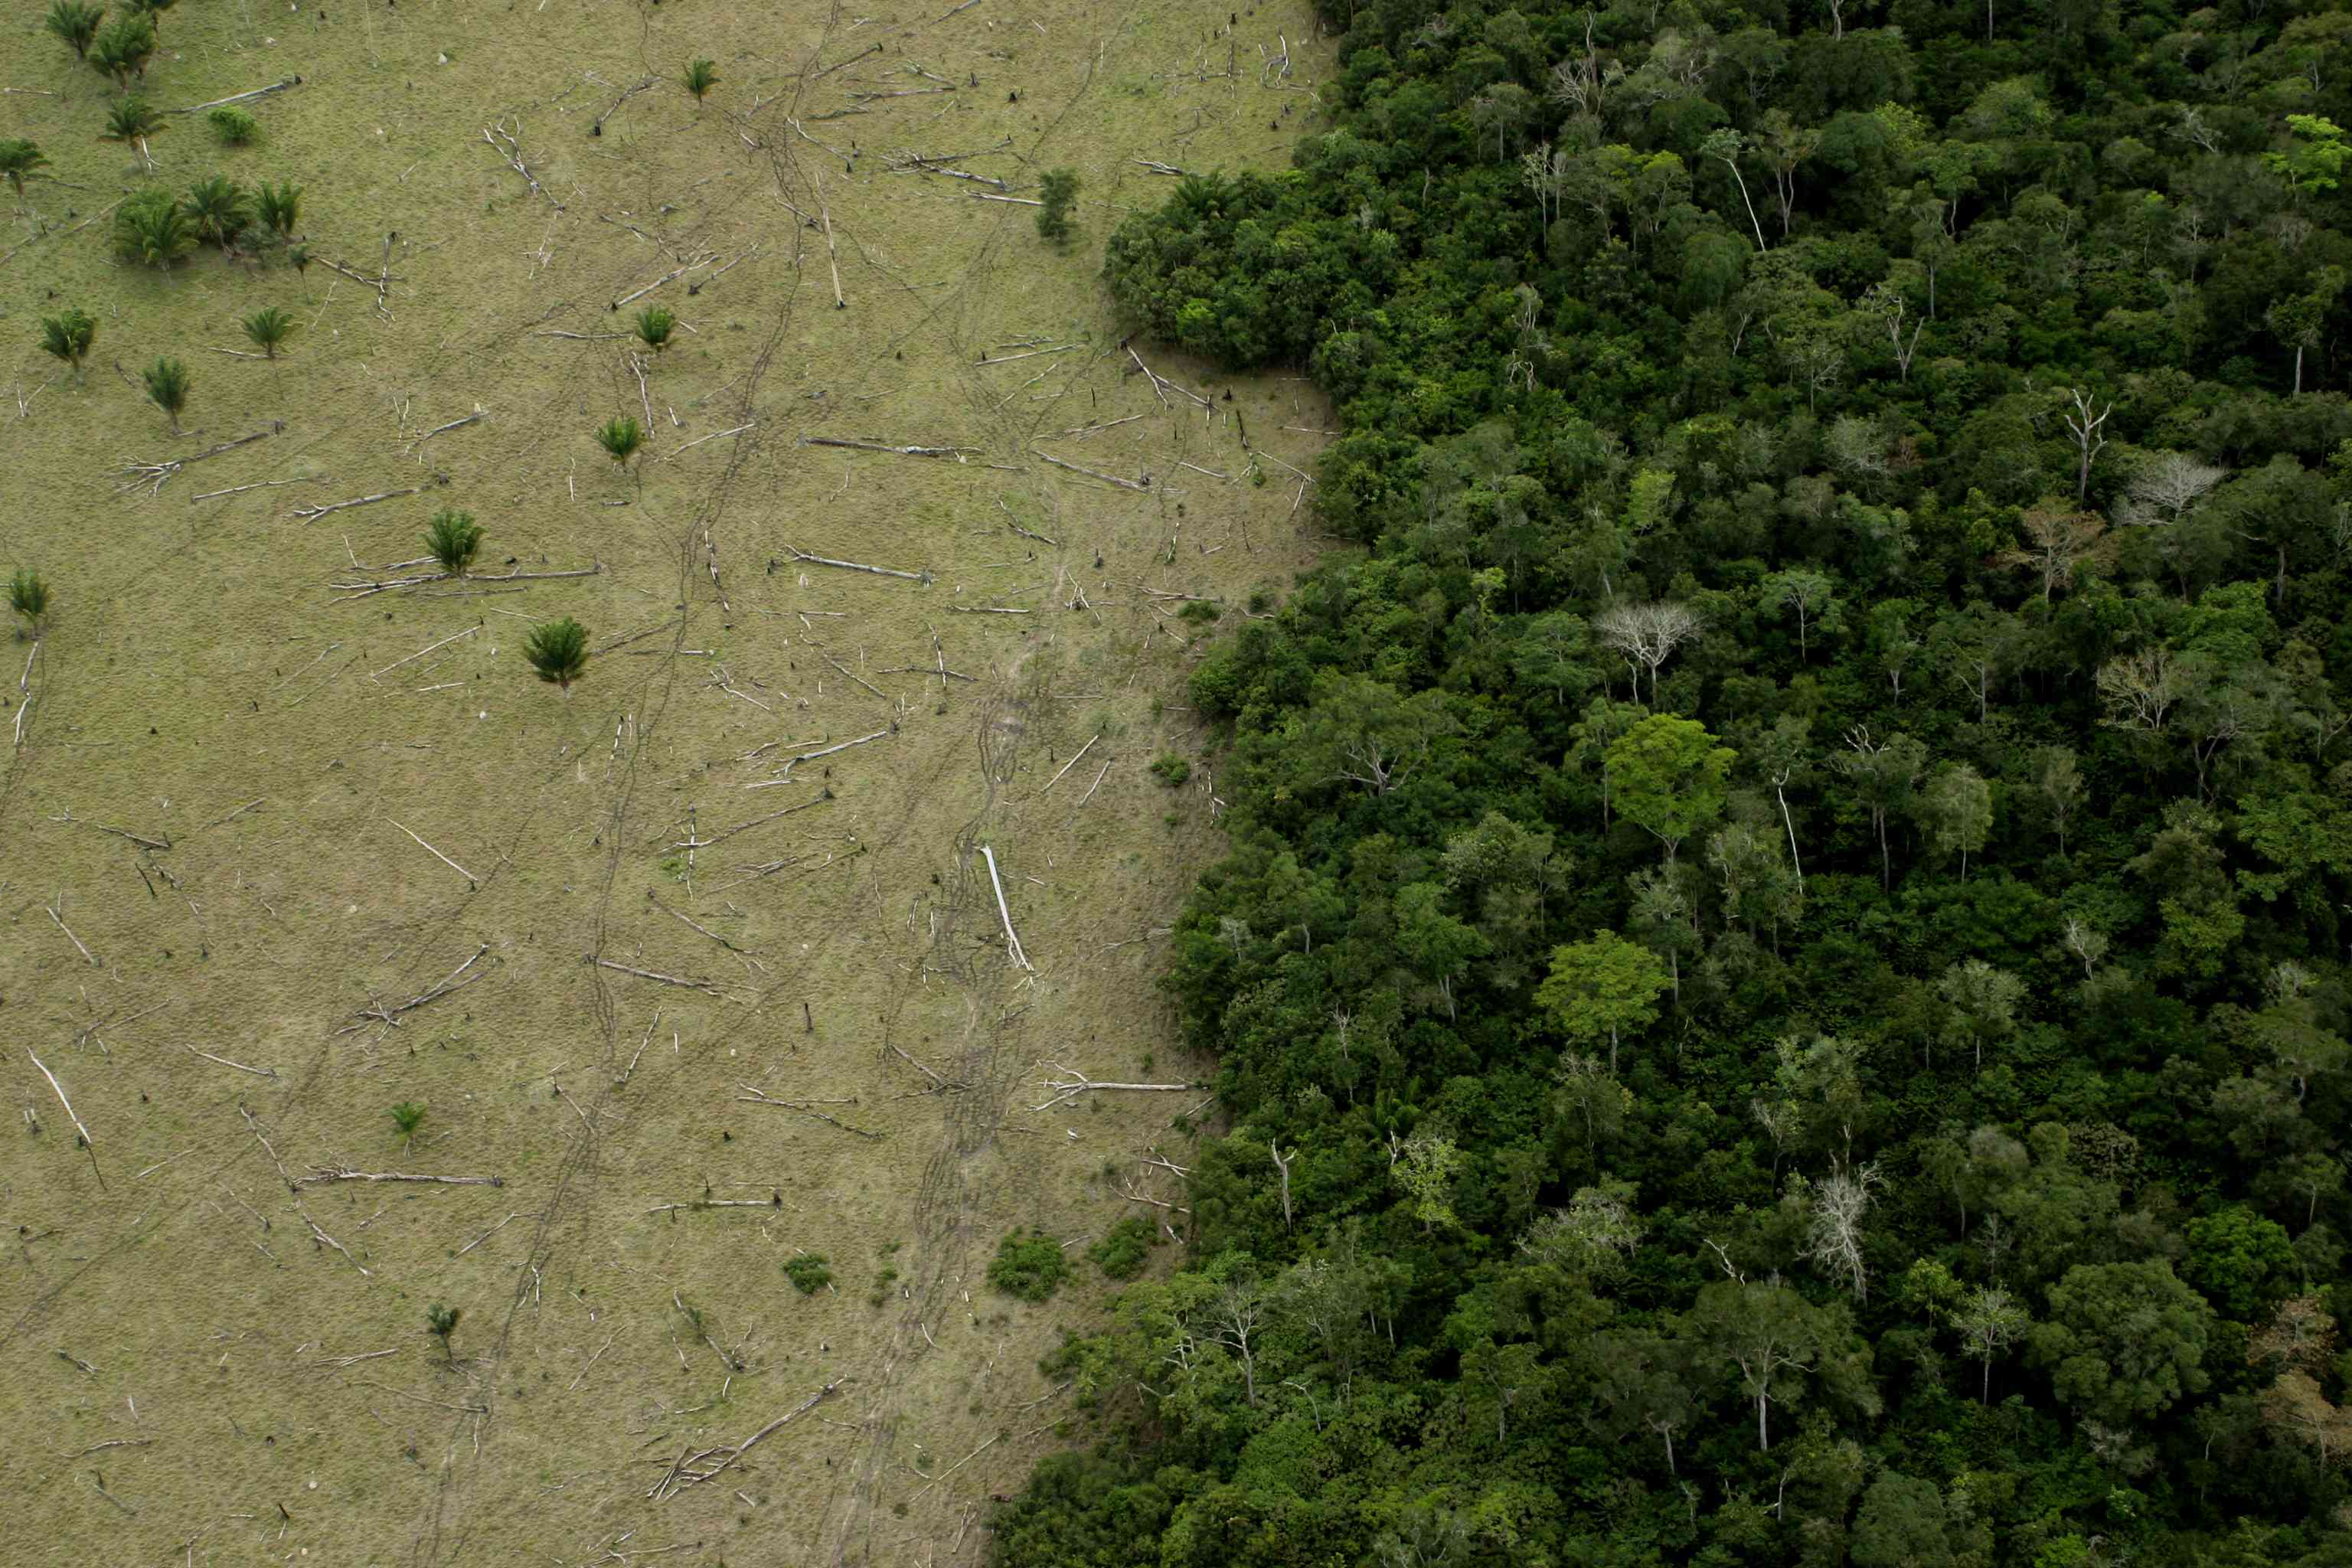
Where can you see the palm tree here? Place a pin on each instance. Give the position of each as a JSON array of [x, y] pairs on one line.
[[281, 206], [29, 598], [122, 49], [68, 337], [441, 1322], [19, 158], [655, 326], [131, 120], [152, 10], [621, 439], [452, 539], [152, 228], [409, 1115], [268, 327], [701, 76], [558, 650], [76, 23], [167, 385], [219, 208]]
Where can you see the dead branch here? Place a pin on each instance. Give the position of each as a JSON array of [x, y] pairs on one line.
[[705, 986], [153, 475], [1070, 1085], [507, 145], [959, 453], [257, 1072], [479, 413], [1159, 168], [1107, 478], [1011, 940], [54, 915], [321, 1238], [714, 436], [924, 577], [702, 259], [87, 1141], [1067, 766], [322, 1174], [389, 1016], [784, 769], [239, 98], [692, 1469], [313, 513], [471, 880], [808, 1108]]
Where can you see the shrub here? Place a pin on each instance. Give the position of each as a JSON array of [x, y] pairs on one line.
[[558, 650], [149, 227], [808, 1273], [655, 326], [220, 209], [233, 125], [621, 439], [701, 76], [280, 207], [1121, 1253], [29, 598], [68, 336], [1172, 770], [441, 1322], [1029, 1264], [408, 1116], [1059, 190]]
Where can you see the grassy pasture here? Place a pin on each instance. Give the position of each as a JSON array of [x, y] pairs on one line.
[[281, 856]]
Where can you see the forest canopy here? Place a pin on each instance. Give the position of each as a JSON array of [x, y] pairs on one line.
[[1780, 983]]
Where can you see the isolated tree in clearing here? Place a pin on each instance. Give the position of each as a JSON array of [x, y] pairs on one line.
[[152, 228], [558, 650], [441, 1322], [19, 158], [122, 49], [167, 387], [268, 327], [280, 206], [1059, 191], [75, 22], [68, 336], [655, 326], [131, 120], [621, 439], [408, 1116], [29, 598], [451, 539]]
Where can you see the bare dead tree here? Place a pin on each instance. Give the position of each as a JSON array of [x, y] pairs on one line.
[[1235, 1318], [2083, 424], [2165, 488], [1282, 1167], [1646, 636], [2139, 689], [1833, 1230]]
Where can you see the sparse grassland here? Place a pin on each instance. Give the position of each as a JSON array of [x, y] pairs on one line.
[[693, 955]]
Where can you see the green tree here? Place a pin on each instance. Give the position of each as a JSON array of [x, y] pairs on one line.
[[2241, 1261], [280, 206], [2314, 157], [1778, 1345], [1028, 1263], [28, 596], [149, 227], [1956, 810], [1598, 989], [700, 77], [1988, 1321], [441, 1322], [122, 49], [1902, 1524], [67, 336], [268, 327], [167, 388], [19, 159], [233, 125], [451, 539], [131, 120], [220, 209], [1670, 776], [655, 325], [2124, 1341], [558, 651], [75, 22], [1982, 1001], [1058, 191], [2298, 320], [1426, 1166]]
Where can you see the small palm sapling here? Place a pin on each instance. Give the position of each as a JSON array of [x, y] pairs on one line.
[[558, 650]]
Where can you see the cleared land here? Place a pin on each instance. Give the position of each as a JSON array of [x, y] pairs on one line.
[[282, 855]]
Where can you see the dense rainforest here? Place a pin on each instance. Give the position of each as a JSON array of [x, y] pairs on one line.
[[1781, 985]]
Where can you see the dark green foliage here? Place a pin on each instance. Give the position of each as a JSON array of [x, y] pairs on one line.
[[1125, 1247], [131, 120], [1058, 191], [407, 1117], [67, 336], [1845, 610], [280, 207], [1170, 769], [701, 76], [558, 651], [655, 326], [19, 159], [151, 10], [441, 1322], [151, 228], [622, 438], [268, 327], [167, 388], [220, 209], [451, 539], [28, 596], [233, 125], [74, 22], [808, 1273], [1028, 1263], [121, 49]]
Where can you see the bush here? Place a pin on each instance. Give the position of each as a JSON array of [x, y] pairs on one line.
[[1029, 1264], [558, 650], [233, 125], [149, 227], [1172, 770], [68, 336], [1120, 1255], [808, 1273], [1058, 191]]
